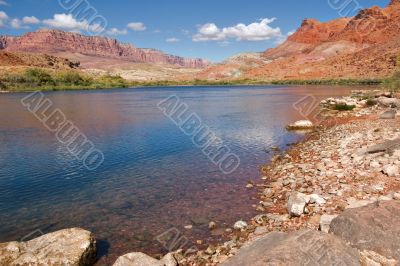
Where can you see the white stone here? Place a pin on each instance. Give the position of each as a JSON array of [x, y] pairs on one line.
[[396, 196], [325, 222], [297, 203], [314, 198], [137, 259], [240, 225], [375, 164], [391, 170], [301, 124]]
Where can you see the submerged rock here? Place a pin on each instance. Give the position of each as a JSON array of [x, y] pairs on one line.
[[73, 246]]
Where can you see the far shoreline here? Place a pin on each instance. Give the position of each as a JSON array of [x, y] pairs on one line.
[[202, 83]]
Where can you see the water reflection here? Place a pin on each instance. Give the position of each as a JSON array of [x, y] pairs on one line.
[[153, 177]]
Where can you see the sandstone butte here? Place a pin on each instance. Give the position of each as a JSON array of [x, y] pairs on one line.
[[364, 46], [67, 44]]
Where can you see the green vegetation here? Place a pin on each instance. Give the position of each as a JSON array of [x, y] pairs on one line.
[[40, 79], [393, 83], [197, 82], [344, 107], [371, 102]]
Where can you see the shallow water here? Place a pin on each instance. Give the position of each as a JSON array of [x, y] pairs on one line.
[[153, 177]]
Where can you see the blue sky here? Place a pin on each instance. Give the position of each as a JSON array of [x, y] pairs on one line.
[[209, 29]]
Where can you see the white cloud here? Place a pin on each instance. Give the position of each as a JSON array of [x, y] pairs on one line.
[[3, 15], [173, 39], [136, 26], [257, 31], [17, 24], [30, 20], [115, 32], [3, 3], [209, 32], [3, 18], [69, 23]]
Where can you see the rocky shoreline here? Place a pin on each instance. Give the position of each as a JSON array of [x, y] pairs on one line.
[[332, 199]]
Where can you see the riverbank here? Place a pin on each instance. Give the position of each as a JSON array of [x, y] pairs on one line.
[[351, 160], [37, 79]]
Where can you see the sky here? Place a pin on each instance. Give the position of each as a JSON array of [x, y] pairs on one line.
[[210, 29]]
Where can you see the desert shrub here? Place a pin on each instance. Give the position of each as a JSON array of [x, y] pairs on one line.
[[112, 81], [14, 78], [371, 102], [2, 86], [344, 107], [73, 78], [38, 76], [393, 83]]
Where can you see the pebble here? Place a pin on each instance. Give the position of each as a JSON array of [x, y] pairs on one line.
[[212, 225]]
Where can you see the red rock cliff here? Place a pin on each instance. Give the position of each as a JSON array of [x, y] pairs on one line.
[[54, 41]]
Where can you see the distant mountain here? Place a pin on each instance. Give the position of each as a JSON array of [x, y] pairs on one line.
[[364, 46], [55, 42]]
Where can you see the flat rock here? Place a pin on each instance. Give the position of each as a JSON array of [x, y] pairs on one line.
[[141, 259], [389, 114], [389, 102], [353, 203], [375, 227], [388, 147], [305, 247], [137, 259], [73, 246]]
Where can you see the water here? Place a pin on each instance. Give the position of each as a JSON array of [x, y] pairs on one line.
[[153, 177]]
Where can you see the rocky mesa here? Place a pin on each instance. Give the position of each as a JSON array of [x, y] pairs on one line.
[[364, 46], [55, 42]]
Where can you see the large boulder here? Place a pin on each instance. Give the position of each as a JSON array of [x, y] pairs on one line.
[[305, 247], [300, 125], [375, 227], [70, 247], [141, 259], [389, 102]]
